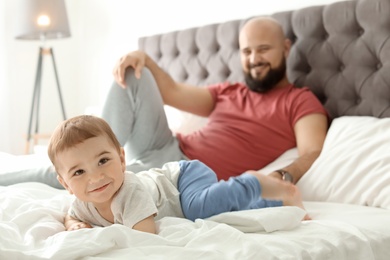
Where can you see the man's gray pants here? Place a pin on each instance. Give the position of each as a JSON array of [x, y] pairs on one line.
[[137, 116]]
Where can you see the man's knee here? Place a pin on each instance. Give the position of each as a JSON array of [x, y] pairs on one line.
[[130, 77]]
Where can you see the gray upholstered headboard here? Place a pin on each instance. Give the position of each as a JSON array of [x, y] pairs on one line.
[[341, 51]]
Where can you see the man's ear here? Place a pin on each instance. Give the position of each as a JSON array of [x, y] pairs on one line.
[[123, 160], [63, 183], [287, 47]]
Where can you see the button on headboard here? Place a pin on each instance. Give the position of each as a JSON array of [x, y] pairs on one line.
[[341, 51]]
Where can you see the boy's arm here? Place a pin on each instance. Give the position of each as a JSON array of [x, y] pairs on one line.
[[72, 223], [146, 225]]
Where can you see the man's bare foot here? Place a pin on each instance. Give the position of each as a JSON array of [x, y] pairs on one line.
[[273, 188]]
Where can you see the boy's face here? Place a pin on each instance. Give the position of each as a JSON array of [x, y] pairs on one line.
[[93, 170]]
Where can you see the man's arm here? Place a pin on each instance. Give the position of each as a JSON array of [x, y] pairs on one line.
[[310, 132], [192, 99], [72, 223]]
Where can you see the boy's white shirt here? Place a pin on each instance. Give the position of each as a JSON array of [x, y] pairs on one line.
[[141, 195]]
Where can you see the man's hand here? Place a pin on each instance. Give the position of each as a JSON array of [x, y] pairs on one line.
[[275, 175], [136, 60]]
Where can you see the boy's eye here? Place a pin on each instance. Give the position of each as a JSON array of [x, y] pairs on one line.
[[78, 172], [103, 161]]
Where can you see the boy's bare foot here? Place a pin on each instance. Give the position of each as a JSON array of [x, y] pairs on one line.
[[273, 188]]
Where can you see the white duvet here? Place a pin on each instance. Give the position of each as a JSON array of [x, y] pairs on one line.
[[31, 227]]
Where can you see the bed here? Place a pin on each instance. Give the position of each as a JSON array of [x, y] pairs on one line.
[[342, 52]]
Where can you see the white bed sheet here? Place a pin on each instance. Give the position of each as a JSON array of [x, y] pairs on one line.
[[31, 228]]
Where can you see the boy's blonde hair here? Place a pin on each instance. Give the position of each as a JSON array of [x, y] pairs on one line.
[[76, 130]]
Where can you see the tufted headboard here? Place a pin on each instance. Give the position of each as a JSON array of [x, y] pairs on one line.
[[341, 51]]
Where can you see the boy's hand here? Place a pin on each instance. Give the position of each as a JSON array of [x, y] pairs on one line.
[[78, 225], [72, 223]]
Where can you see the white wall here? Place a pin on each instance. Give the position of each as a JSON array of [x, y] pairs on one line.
[[102, 31], [5, 142]]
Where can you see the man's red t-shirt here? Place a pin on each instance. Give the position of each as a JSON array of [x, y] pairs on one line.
[[248, 130]]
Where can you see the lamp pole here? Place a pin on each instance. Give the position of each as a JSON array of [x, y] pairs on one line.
[[35, 104]]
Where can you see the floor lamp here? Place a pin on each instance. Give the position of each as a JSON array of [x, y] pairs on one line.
[[41, 20]]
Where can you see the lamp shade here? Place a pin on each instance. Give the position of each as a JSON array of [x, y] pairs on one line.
[[41, 19]]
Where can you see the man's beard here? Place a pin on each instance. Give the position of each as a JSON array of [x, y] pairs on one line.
[[273, 77]]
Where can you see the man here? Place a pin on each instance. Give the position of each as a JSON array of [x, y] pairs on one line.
[[249, 125]]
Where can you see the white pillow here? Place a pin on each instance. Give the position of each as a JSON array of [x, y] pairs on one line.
[[354, 165], [183, 122]]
